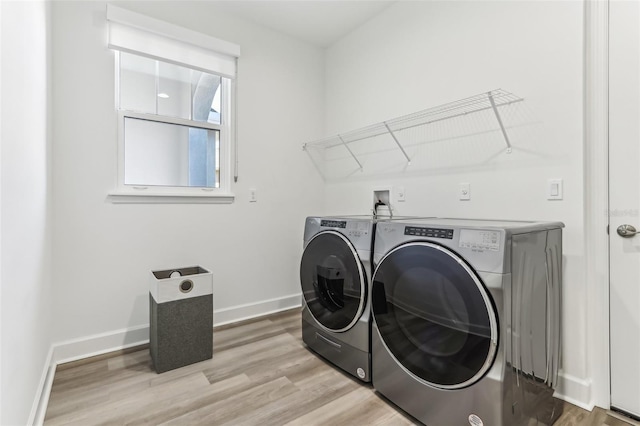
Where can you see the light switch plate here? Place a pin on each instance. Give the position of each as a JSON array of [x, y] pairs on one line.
[[400, 194], [554, 189]]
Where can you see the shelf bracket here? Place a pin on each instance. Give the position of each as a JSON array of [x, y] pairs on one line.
[[397, 142], [350, 152], [504, 132]]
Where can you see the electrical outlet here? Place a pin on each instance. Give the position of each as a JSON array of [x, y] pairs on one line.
[[253, 195]]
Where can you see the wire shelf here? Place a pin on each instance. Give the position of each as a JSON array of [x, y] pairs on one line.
[[488, 101]]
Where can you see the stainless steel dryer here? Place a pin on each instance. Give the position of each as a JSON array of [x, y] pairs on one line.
[[334, 275], [466, 320]]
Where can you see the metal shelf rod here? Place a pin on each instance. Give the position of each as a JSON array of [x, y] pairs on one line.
[[397, 142], [504, 132], [350, 152]]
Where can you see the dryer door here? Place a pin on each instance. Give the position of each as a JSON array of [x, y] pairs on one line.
[[434, 315], [333, 281]]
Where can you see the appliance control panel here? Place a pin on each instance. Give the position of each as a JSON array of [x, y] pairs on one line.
[[352, 229], [479, 240], [429, 232], [333, 223]]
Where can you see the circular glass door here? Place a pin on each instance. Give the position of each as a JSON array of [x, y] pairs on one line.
[[434, 315], [333, 281]]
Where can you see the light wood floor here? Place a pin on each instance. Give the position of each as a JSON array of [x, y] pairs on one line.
[[261, 374]]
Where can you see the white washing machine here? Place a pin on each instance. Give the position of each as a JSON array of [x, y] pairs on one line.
[[466, 320]]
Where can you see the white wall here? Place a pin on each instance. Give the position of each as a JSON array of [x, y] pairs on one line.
[[417, 55], [25, 213], [103, 252]]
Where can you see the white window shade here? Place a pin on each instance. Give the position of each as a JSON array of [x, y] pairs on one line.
[[136, 33]]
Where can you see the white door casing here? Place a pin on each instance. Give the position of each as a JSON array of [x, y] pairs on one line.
[[624, 203], [595, 389]]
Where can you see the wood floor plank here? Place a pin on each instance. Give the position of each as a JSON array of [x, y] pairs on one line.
[[164, 412], [95, 386], [326, 388], [261, 373], [292, 365], [230, 408], [334, 411], [252, 332], [116, 410], [254, 356]]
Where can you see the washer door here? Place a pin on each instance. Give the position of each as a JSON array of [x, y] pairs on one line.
[[434, 315], [333, 281]]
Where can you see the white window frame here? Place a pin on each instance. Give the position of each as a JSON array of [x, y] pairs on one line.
[[173, 194], [146, 193]]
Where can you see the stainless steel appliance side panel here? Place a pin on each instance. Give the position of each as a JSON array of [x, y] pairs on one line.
[[536, 298]]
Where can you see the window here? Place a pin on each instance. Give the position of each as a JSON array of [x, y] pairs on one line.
[[174, 100], [174, 120]]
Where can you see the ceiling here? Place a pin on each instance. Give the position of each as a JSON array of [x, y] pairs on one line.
[[319, 22]]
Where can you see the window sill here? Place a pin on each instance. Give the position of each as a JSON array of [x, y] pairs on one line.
[[138, 197]]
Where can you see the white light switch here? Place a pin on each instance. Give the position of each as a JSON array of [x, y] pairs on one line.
[[554, 189], [464, 190]]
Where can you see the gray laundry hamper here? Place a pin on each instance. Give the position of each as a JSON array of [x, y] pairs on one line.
[[181, 317]]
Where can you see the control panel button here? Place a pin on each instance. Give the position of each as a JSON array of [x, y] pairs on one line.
[[333, 223], [429, 232]]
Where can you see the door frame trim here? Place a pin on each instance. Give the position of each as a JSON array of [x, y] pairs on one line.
[[596, 198]]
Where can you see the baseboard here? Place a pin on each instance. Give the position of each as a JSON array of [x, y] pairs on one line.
[[98, 344], [252, 310], [575, 391], [40, 402]]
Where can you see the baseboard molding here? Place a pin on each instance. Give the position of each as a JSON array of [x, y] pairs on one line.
[[98, 344], [575, 391], [252, 310], [41, 401]]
